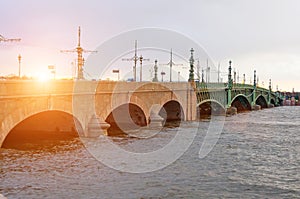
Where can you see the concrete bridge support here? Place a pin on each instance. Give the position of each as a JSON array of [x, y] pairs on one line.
[[155, 120]]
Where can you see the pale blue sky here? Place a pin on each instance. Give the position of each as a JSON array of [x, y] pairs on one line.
[[255, 34]]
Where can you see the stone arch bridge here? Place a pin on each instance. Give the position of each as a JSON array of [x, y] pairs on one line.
[[95, 107]]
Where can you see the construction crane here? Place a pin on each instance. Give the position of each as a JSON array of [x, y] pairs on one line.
[[3, 39], [171, 64], [80, 60]]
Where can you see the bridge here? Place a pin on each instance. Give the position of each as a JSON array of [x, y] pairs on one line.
[[231, 98], [94, 107], [242, 97]]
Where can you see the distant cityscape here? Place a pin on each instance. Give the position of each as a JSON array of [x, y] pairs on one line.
[[291, 98]]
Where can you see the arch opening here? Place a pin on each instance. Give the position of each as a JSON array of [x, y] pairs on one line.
[[172, 113], [124, 118], [209, 108], [241, 103], [262, 102], [280, 101], [43, 130], [273, 102]]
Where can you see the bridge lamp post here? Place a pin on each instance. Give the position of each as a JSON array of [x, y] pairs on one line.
[[277, 93], [191, 75], [234, 76], [19, 59], [269, 92], [202, 76], [162, 76], [208, 74], [155, 71], [254, 80], [229, 86], [254, 90], [230, 110], [141, 69]]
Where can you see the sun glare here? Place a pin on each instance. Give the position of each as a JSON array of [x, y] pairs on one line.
[[43, 77]]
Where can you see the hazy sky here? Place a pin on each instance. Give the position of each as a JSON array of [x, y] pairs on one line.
[[254, 34]]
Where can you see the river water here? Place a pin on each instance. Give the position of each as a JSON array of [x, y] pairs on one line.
[[257, 156]]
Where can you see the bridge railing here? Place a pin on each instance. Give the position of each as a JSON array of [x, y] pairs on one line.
[[225, 85], [34, 87], [204, 85]]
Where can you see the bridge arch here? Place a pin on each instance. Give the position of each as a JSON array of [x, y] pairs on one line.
[[272, 101], [241, 103], [210, 107], [18, 110], [260, 100], [125, 117], [42, 128], [172, 111]]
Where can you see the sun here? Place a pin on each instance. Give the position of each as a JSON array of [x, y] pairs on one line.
[[42, 77]]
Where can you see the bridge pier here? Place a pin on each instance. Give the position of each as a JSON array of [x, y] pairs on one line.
[[96, 127], [231, 111], [155, 120], [256, 107]]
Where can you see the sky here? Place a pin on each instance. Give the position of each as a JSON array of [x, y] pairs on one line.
[[261, 35]]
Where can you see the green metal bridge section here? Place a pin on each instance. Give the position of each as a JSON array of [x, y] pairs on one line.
[[231, 97], [242, 96]]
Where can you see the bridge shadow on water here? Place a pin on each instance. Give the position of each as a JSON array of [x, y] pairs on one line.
[[42, 131]]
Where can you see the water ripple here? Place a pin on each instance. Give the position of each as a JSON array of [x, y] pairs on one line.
[[257, 156]]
